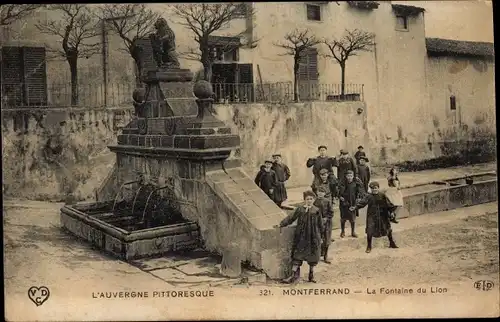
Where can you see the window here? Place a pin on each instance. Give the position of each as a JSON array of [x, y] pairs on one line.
[[453, 103], [401, 23], [313, 12], [225, 54]]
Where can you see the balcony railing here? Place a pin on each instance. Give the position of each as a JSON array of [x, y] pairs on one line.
[[15, 95], [283, 92], [59, 95]]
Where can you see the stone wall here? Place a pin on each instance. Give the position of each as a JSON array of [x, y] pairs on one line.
[[295, 130], [54, 153]]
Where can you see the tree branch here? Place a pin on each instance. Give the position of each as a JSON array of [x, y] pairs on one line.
[[75, 28], [10, 13], [352, 42]]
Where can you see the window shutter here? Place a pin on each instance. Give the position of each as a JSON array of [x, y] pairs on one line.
[[246, 73], [12, 75], [35, 75], [312, 69]]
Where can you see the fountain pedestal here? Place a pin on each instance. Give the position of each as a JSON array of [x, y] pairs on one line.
[[175, 142]]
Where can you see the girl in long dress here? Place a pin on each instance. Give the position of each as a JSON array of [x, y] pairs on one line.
[[394, 194]]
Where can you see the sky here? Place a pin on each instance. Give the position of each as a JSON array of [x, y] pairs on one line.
[[460, 20]]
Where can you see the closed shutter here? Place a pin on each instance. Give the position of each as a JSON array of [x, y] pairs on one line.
[[312, 68], [12, 79], [246, 73], [149, 61], [308, 65], [35, 76]]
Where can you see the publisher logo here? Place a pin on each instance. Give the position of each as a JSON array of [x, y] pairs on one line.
[[38, 294], [484, 285]]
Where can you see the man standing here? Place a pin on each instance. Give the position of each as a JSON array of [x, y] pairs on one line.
[[282, 175], [322, 161]]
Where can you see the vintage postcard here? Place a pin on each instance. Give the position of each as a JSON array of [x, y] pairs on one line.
[[249, 160]]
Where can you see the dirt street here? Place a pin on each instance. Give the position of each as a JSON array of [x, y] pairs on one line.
[[451, 250], [443, 249]]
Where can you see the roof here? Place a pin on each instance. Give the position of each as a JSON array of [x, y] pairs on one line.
[[407, 10], [438, 46], [364, 4]]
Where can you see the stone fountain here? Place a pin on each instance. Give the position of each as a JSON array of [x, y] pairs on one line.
[[176, 184]]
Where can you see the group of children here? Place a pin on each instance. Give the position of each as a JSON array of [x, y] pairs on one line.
[[314, 218]]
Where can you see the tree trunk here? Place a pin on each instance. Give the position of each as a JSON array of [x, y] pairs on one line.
[[138, 72], [73, 68], [207, 71], [342, 80], [296, 96]]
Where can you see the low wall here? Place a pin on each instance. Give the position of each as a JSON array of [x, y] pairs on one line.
[[53, 153]]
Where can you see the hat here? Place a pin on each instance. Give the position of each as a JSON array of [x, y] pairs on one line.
[[374, 184], [309, 193], [276, 155], [321, 189], [322, 147], [268, 161], [360, 147], [364, 158], [343, 151], [323, 171]]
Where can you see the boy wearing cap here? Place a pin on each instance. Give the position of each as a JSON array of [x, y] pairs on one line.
[[330, 186], [351, 189], [364, 172], [282, 175], [266, 179], [360, 153], [307, 239], [322, 161], [377, 216], [345, 164], [325, 206]]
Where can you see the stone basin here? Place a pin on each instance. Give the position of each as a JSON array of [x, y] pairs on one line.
[[124, 236]]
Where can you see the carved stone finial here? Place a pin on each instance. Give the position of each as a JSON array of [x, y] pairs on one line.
[[163, 43], [203, 89]]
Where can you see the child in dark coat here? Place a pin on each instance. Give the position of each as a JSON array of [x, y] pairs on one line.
[[364, 172], [345, 163], [325, 206], [359, 154], [266, 179], [282, 175], [351, 189], [322, 161], [377, 216], [307, 240]]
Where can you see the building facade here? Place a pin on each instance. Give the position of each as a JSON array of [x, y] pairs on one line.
[[412, 90]]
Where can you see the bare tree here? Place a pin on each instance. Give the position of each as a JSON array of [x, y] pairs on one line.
[[350, 44], [204, 19], [76, 28], [297, 43], [13, 12], [131, 22]]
